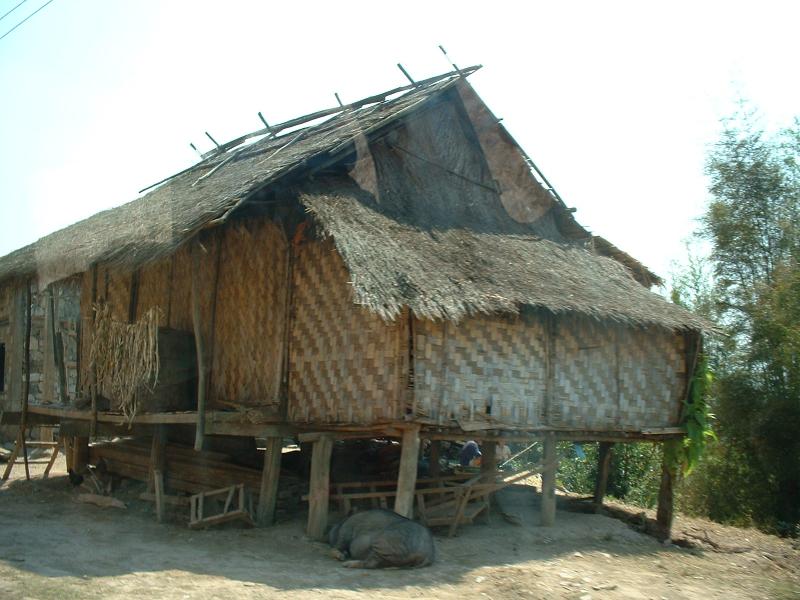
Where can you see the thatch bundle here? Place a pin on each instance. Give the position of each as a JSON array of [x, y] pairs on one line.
[[124, 356]]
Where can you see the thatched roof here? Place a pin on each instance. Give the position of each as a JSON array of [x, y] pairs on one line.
[[445, 252], [154, 225], [450, 272]]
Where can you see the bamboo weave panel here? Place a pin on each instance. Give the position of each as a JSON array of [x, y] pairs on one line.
[[482, 367], [345, 361], [585, 386], [154, 287], [250, 315], [652, 378]]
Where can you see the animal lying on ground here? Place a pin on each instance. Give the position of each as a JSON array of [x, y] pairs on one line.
[[380, 538]]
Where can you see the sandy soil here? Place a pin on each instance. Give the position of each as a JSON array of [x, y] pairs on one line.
[[51, 546]]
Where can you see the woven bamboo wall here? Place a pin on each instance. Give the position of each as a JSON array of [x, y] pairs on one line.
[[7, 339], [604, 377], [346, 363], [652, 378], [585, 390], [249, 336], [481, 369], [154, 289]]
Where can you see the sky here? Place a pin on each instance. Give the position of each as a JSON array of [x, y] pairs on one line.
[[616, 102]]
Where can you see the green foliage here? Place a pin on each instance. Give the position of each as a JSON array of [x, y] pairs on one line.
[[696, 419], [752, 473], [634, 473]]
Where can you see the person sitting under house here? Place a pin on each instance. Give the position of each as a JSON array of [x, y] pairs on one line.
[[470, 455]]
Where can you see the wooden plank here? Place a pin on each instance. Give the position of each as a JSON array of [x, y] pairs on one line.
[[270, 476], [407, 476], [603, 466], [319, 487], [549, 482]]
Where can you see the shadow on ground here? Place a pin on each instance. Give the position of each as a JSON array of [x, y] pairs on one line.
[[46, 532]]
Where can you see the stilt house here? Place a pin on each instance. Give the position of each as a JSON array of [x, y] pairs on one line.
[[393, 267]]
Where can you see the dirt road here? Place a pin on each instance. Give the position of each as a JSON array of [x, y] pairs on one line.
[[51, 546]]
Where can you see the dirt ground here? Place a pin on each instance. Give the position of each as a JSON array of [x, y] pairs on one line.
[[52, 546]]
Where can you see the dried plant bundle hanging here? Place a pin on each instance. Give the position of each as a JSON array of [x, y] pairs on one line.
[[125, 356]]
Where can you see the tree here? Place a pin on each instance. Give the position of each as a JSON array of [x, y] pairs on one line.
[[753, 225]]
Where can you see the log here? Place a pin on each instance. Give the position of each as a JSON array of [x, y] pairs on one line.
[[319, 490], [407, 476]]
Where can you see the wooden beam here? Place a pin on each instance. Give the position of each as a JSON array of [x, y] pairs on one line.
[[407, 476], [549, 481], [665, 511], [603, 465], [319, 487], [270, 476]]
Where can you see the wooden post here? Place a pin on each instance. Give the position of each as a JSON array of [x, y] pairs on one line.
[[489, 461], [23, 422], [80, 453], [436, 451], [407, 477], [669, 474], [549, 481], [158, 455], [158, 489], [92, 366], [270, 476], [198, 342], [603, 465], [319, 487], [69, 455]]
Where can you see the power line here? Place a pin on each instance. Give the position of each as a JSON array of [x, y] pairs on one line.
[[25, 19], [13, 9]]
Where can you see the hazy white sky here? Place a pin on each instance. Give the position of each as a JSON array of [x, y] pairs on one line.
[[616, 102]]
